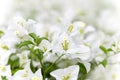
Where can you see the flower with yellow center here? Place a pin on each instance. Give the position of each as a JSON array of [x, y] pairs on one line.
[[17, 32], [20, 23], [82, 26], [5, 72], [26, 73], [69, 73]]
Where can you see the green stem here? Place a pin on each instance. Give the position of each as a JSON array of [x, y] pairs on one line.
[[53, 63], [44, 76]]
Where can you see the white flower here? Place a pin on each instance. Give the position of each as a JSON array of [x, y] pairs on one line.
[[23, 58], [97, 74], [37, 75], [110, 72], [9, 39], [114, 59], [4, 58], [107, 19], [45, 45], [27, 74], [70, 73], [82, 52], [5, 71], [113, 72], [64, 44], [61, 43], [24, 74]]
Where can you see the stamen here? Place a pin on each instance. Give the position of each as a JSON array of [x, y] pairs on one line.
[[65, 44], [36, 78], [2, 68], [44, 48], [67, 77], [4, 46], [70, 28]]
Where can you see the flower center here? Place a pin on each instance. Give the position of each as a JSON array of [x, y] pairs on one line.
[[65, 44], [70, 28], [82, 25], [44, 48], [113, 77], [20, 23], [4, 46], [35, 78], [2, 68], [67, 77], [25, 74]]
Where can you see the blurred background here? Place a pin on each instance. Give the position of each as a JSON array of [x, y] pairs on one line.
[[102, 14]]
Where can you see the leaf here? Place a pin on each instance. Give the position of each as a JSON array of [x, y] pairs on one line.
[[82, 68], [4, 78], [40, 40], [33, 68], [109, 50], [14, 63], [83, 71], [34, 36], [104, 62], [37, 39], [103, 49], [82, 77], [24, 43]]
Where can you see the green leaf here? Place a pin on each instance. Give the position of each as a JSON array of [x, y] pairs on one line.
[[14, 63], [33, 68], [104, 62], [24, 43], [82, 77], [103, 49], [109, 50], [82, 68], [37, 39], [83, 71], [4, 78], [40, 40], [34, 36]]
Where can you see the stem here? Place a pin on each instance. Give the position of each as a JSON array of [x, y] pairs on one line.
[[41, 63], [44, 76], [53, 63]]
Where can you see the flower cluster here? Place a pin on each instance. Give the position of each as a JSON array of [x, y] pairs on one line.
[[29, 51], [60, 42]]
